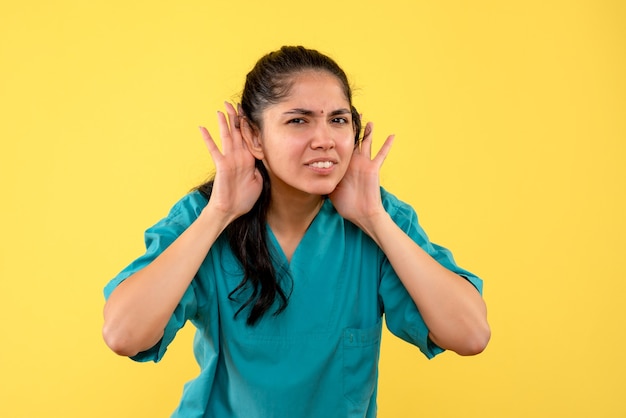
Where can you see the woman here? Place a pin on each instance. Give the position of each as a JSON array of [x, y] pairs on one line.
[[287, 260]]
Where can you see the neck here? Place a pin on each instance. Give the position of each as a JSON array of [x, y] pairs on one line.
[[293, 213]]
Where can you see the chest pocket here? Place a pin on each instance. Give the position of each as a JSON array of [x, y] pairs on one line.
[[361, 350]]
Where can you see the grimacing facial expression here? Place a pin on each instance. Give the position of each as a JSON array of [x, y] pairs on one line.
[[307, 139]]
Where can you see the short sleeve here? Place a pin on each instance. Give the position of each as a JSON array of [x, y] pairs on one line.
[[157, 238], [402, 317]]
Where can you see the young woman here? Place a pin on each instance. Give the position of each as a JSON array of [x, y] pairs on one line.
[[287, 260]]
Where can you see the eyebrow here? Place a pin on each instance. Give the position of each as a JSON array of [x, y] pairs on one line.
[[307, 112]]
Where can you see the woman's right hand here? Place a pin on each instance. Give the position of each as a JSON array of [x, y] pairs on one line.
[[138, 310], [238, 183]]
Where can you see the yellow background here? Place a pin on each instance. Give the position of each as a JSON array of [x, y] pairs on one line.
[[510, 123]]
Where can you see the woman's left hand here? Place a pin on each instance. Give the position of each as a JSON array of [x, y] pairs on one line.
[[357, 196]]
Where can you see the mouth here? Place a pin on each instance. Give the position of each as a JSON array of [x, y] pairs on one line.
[[321, 164]]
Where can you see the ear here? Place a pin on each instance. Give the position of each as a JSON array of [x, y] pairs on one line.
[[252, 137]]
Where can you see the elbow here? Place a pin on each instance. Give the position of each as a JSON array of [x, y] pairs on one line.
[[126, 336], [476, 335], [476, 342], [116, 335], [118, 342]]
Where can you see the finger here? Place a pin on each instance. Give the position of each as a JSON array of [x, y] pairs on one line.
[[234, 123], [210, 144], [384, 150], [233, 118], [367, 132], [366, 144], [227, 141]]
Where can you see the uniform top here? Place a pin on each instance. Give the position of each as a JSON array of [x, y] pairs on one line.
[[319, 357]]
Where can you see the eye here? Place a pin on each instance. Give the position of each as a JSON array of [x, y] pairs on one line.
[[340, 120], [296, 121]]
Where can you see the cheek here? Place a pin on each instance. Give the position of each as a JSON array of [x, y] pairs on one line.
[[346, 145]]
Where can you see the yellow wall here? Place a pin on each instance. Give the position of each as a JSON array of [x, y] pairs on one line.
[[510, 123]]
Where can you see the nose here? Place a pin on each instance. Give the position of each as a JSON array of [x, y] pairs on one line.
[[322, 137]]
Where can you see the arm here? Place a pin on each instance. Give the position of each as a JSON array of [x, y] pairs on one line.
[[138, 310], [451, 307]]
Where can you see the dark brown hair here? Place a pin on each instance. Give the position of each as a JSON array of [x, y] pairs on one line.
[[268, 83]]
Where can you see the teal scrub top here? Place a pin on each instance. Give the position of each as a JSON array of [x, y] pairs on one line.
[[319, 357]]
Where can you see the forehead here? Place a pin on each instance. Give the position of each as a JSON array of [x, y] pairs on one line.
[[315, 87]]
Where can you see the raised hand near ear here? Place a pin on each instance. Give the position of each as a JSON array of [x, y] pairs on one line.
[[357, 196], [238, 183]]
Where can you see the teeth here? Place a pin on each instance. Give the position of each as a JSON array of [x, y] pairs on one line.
[[322, 164]]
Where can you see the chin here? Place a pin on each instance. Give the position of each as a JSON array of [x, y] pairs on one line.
[[322, 190], [317, 191]]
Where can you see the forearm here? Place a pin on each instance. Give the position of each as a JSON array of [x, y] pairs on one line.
[[137, 311], [452, 308]]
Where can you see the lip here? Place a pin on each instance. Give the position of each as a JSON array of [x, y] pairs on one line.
[[321, 160], [321, 170]]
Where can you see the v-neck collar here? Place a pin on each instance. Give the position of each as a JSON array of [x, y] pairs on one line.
[[281, 257]]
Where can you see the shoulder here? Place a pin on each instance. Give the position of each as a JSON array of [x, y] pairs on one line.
[[187, 209], [395, 207]]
